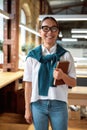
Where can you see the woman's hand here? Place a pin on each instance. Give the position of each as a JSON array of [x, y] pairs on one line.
[[28, 116], [58, 73]]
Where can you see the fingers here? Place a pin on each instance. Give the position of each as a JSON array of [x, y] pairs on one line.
[[28, 119], [57, 74]]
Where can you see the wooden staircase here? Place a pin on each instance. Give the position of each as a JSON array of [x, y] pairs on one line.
[[12, 121], [11, 116]]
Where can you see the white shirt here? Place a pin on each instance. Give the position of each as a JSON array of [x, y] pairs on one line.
[[31, 75]]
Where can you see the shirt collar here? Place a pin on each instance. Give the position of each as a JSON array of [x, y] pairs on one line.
[[52, 50]]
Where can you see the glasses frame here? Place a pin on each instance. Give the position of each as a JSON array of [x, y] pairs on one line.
[[50, 28]]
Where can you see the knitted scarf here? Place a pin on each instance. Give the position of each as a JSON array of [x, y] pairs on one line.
[[48, 63]]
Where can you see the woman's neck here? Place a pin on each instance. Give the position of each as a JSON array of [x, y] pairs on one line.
[[48, 46]]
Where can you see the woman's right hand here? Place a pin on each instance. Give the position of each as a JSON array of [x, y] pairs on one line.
[[28, 116]]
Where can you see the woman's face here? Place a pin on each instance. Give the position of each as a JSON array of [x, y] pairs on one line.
[[49, 32]]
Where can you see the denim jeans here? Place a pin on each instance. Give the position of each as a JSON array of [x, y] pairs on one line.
[[53, 111]]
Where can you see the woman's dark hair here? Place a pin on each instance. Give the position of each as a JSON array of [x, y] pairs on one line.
[[45, 18]]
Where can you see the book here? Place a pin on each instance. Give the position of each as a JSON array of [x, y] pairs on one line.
[[64, 66]]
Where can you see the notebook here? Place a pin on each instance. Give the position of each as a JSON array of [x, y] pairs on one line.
[[64, 66]]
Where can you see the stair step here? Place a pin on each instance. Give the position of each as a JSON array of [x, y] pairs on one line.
[[12, 118], [8, 126]]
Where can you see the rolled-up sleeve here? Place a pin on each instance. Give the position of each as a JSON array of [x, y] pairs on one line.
[[71, 70], [28, 70]]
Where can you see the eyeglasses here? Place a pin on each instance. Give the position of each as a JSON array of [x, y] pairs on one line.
[[46, 28]]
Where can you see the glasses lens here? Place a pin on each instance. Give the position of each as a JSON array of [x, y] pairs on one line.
[[45, 28], [54, 29]]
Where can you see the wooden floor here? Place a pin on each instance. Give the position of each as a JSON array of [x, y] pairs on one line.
[[17, 122], [77, 124], [73, 125]]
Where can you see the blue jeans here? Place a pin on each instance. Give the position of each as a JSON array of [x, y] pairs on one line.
[[53, 111]]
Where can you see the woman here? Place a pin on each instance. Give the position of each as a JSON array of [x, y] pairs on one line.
[[45, 102]]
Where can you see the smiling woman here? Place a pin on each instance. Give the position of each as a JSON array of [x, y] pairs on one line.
[[45, 101]]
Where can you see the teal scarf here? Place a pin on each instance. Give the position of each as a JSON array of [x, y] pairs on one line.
[[48, 63]]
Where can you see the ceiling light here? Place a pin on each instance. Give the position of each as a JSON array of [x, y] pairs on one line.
[[79, 31], [60, 34], [66, 17], [69, 39], [29, 29], [4, 14], [79, 36]]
